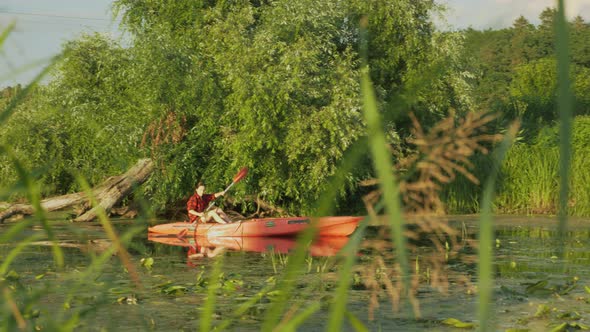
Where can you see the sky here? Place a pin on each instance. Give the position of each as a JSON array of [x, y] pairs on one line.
[[42, 26]]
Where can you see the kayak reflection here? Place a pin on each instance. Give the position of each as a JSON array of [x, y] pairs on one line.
[[212, 246]]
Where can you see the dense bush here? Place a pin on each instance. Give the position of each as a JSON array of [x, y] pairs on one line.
[[85, 121]]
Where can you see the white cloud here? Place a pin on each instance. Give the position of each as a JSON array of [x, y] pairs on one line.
[[482, 14]]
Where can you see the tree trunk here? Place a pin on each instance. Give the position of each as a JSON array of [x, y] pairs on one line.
[[106, 194]]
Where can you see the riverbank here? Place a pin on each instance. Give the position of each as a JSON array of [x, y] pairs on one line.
[[529, 178]]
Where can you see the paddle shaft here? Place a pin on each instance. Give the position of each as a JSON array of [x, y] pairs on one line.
[[239, 176]]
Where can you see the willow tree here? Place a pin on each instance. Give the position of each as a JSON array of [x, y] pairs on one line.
[[274, 85], [86, 120]]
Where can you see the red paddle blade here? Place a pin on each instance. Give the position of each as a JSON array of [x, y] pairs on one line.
[[241, 174]]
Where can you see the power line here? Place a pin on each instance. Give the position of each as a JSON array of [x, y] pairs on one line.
[[41, 20], [55, 16]]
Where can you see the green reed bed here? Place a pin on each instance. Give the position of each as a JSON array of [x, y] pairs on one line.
[[529, 178]]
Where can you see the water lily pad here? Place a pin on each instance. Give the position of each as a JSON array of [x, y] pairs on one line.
[[147, 262], [570, 326], [12, 276], [542, 311], [457, 323], [175, 290], [570, 315]]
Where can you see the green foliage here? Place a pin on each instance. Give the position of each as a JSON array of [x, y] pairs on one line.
[[534, 86], [529, 176], [516, 72], [85, 120], [282, 96]]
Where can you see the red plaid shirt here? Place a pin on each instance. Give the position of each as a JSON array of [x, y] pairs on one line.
[[198, 203]]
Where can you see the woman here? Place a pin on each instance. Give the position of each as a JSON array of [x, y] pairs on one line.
[[199, 202]]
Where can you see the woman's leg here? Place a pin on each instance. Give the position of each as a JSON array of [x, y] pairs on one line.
[[222, 214], [214, 215]]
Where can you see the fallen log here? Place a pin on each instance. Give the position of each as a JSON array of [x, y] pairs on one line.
[[106, 194]]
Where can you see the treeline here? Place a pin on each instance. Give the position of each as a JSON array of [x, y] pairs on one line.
[[515, 75], [515, 70], [206, 87]]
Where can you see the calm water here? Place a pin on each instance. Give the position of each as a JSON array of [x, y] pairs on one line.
[[534, 288]]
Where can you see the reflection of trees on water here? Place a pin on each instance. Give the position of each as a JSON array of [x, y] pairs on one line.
[[534, 249]]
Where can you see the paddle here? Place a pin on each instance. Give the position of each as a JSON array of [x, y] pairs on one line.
[[239, 176]]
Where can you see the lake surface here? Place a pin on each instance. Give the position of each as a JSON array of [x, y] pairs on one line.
[[534, 288]]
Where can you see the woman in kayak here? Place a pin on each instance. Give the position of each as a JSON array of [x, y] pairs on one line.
[[198, 203]]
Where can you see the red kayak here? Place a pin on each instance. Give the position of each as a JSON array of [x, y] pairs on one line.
[[323, 246], [327, 226]]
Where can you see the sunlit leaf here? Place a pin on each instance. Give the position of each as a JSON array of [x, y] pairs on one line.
[[542, 311], [175, 290], [356, 323], [147, 262], [458, 324], [12, 276], [569, 326], [538, 286]]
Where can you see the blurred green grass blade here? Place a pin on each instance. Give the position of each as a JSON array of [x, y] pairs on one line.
[[565, 106], [356, 323], [15, 72], [325, 205], [296, 262], [297, 320], [78, 281], [338, 306], [287, 282], [382, 162], [110, 231], [15, 230], [21, 94], [206, 317], [34, 196], [242, 309], [98, 262], [486, 233], [16, 251], [11, 303], [6, 32]]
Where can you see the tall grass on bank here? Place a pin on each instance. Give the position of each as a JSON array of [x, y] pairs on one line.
[[565, 99], [529, 180]]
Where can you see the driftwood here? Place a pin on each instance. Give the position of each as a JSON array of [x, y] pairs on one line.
[[106, 194], [97, 246]]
